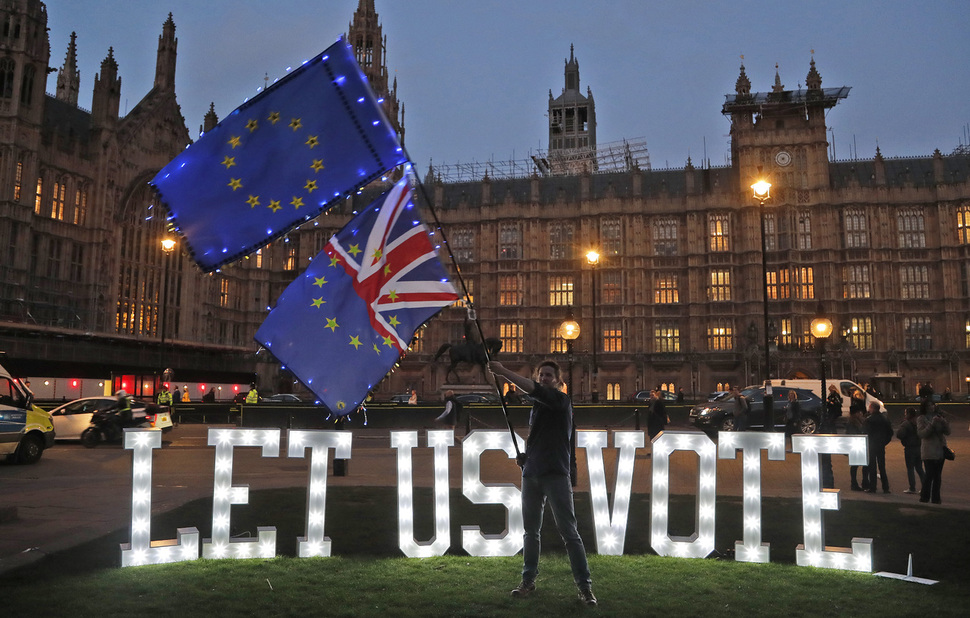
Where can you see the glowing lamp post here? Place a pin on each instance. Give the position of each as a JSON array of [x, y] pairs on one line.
[[569, 331], [168, 247], [761, 193], [593, 258], [821, 330]]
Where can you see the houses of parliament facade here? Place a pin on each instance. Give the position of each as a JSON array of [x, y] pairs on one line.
[[880, 246]]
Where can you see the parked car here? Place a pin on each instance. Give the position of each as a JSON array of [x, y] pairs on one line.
[[25, 429], [72, 418], [716, 395], [718, 415], [281, 398], [490, 398], [643, 396]]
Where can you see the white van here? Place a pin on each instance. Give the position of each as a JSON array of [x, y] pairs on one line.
[[846, 387]]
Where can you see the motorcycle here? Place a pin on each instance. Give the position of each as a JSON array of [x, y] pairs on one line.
[[108, 426]]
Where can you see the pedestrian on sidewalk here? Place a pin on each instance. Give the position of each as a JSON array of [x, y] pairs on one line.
[[449, 418], [909, 436], [855, 427], [880, 433], [933, 428]]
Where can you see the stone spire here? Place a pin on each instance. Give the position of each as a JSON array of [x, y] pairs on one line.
[[778, 87], [814, 80], [211, 119], [107, 93], [743, 86], [167, 51], [68, 77]]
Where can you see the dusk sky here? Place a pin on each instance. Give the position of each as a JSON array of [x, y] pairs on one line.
[[474, 77]]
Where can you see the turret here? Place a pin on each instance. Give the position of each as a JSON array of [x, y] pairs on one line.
[[167, 51], [68, 77], [107, 94]]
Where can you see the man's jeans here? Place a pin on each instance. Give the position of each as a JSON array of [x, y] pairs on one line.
[[559, 492]]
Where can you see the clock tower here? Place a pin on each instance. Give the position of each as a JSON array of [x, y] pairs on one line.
[[782, 132]]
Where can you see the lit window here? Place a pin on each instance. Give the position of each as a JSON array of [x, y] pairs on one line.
[[720, 335], [804, 283], [778, 284], [512, 336], [560, 291], [963, 225], [612, 337], [665, 289], [719, 287], [860, 332], [613, 391], [719, 232], [666, 337]]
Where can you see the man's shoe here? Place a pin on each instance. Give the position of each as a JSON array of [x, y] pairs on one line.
[[856, 488], [586, 596], [910, 491], [885, 491], [524, 589]]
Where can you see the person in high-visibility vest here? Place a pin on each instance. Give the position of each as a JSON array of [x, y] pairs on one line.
[[164, 396], [253, 395]]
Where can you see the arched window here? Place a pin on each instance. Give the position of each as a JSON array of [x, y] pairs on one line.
[[7, 66], [27, 85]]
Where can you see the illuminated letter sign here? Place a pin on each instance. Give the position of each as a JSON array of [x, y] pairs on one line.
[[509, 542], [142, 550], [404, 441], [751, 444], [701, 543], [610, 534], [814, 499], [316, 543], [225, 494], [610, 527]]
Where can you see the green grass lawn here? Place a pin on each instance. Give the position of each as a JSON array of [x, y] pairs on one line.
[[368, 577]]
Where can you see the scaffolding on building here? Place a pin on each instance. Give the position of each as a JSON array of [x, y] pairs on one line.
[[624, 155]]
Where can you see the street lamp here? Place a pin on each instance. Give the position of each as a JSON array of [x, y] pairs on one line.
[[168, 247], [822, 329], [569, 331], [761, 190], [593, 258]]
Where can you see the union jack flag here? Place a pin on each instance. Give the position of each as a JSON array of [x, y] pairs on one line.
[[342, 324]]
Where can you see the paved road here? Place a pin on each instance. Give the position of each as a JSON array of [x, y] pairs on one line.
[[75, 494]]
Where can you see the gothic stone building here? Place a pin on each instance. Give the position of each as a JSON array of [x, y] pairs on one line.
[[881, 246]]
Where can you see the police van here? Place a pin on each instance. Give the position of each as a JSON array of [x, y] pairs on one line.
[[25, 429]]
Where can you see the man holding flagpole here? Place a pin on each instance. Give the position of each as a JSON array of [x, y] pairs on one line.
[[545, 476]]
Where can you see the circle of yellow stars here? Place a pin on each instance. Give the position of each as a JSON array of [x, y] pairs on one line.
[[254, 200]]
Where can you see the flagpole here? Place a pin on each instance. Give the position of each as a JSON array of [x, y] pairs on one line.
[[466, 297]]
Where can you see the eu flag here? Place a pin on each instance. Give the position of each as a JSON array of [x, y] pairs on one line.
[[343, 323], [278, 160]]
